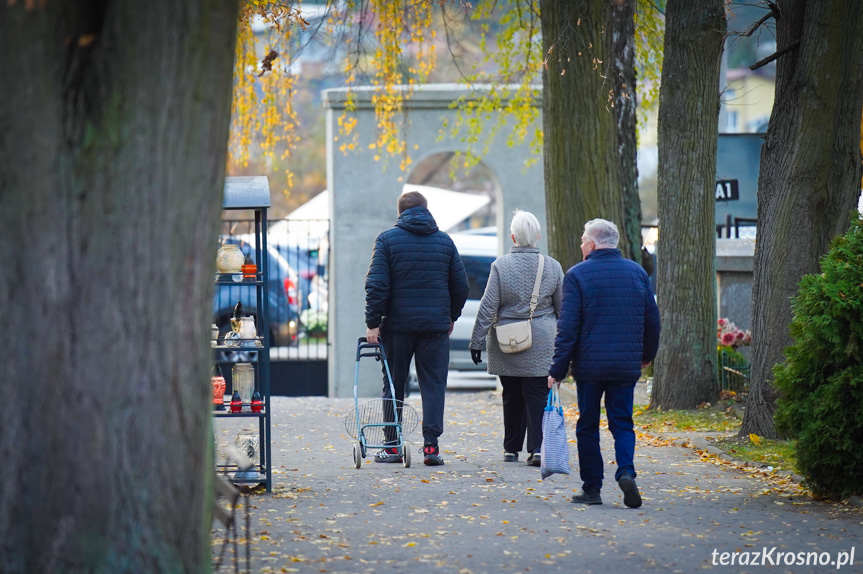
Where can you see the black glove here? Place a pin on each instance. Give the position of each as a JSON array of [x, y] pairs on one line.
[[476, 356]]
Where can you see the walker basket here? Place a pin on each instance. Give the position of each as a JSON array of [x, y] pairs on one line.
[[373, 416]]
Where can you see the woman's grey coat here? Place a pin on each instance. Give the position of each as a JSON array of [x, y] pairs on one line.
[[507, 296]]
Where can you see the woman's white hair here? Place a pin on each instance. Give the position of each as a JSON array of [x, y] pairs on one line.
[[525, 228], [604, 233]]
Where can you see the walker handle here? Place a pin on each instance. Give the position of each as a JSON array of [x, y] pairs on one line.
[[377, 349]]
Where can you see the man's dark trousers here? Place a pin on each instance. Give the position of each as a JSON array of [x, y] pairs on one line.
[[430, 352], [618, 409]]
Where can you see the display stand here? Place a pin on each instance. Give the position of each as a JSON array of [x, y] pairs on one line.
[[251, 194]]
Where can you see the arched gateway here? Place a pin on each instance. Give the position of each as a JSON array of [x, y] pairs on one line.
[[363, 203]]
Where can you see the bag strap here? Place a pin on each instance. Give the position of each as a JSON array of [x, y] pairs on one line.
[[553, 402], [534, 297]]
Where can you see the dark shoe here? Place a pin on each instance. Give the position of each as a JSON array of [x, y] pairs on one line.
[[510, 457], [588, 497], [389, 455], [431, 454], [631, 496], [534, 459]]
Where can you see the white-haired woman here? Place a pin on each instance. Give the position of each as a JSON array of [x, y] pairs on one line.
[[507, 296]]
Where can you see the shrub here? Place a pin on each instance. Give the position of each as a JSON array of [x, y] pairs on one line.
[[821, 381]]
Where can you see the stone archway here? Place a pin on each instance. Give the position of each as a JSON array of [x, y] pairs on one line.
[[447, 171], [363, 202]]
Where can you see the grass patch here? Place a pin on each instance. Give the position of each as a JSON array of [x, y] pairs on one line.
[[776, 453], [687, 420]]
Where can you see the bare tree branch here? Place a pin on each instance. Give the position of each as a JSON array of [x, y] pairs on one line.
[[791, 46], [757, 24]]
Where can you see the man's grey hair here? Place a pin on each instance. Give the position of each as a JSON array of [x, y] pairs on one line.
[[604, 233], [525, 228]]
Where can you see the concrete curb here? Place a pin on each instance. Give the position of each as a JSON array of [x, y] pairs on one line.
[[694, 442]]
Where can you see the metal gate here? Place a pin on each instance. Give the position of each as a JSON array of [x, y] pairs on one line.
[[298, 263]]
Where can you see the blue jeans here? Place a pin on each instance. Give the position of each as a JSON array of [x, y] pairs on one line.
[[618, 409]]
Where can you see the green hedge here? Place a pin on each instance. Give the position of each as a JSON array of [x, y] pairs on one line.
[[821, 381]]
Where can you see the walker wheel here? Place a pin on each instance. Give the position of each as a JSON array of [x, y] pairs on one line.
[[358, 456], [406, 453]]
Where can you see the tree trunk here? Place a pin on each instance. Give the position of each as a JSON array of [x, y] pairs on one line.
[[580, 155], [113, 134], [685, 367], [810, 175], [622, 26]]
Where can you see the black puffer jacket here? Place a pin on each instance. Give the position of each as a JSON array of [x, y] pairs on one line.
[[416, 282]]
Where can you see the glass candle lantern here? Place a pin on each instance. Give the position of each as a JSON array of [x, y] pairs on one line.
[[249, 443], [218, 382], [243, 381], [229, 259], [250, 270], [257, 402]]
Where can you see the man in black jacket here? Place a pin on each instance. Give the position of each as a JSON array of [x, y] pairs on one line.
[[416, 287]]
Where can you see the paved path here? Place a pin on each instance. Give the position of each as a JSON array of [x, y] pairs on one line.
[[478, 514]]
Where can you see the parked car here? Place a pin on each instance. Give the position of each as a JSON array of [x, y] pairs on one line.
[[306, 262], [281, 290], [489, 231], [478, 252]]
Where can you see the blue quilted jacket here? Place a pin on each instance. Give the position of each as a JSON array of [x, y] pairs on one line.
[[609, 321], [416, 282]]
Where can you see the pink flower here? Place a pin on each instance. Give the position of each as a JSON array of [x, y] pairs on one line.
[[728, 339], [722, 322], [740, 335]]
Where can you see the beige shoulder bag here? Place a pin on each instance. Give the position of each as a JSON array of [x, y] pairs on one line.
[[516, 337]]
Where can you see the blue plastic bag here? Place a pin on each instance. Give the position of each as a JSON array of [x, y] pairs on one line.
[[554, 453]]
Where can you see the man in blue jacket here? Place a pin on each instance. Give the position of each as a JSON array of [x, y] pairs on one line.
[[416, 287], [608, 329]]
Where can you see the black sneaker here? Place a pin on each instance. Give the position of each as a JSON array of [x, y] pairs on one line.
[[588, 497], [510, 457], [534, 459], [631, 496], [389, 455], [431, 454]]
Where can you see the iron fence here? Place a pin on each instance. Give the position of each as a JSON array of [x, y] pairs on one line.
[[297, 285]]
